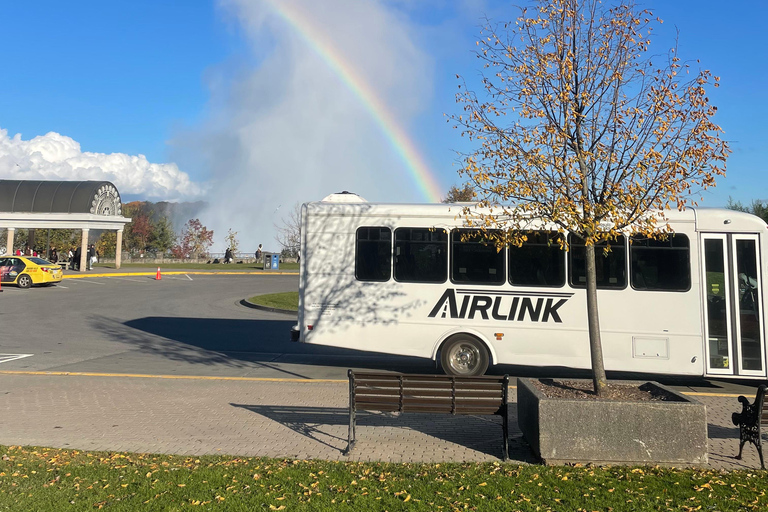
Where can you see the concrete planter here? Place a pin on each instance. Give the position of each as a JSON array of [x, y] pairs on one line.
[[563, 430]]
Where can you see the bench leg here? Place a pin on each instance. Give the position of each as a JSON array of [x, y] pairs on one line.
[[505, 426], [351, 436], [760, 451], [352, 416], [741, 448]]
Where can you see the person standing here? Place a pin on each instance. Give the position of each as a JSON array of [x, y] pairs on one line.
[[90, 255], [228, 255], [258, 254], [54, 255]]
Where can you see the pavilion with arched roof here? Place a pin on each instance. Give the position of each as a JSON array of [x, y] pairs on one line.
[[84, 205]]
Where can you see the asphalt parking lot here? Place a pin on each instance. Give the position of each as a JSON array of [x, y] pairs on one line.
[[184, 324]]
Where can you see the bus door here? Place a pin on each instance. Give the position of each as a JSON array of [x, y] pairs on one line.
[[733, 306]]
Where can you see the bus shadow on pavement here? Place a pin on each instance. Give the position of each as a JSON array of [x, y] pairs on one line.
[[328, 426], [238, 343]]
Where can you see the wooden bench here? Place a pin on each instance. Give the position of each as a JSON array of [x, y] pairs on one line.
[[428, 394], [751, 420]]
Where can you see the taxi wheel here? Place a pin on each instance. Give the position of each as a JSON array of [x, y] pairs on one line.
[[24, 281]]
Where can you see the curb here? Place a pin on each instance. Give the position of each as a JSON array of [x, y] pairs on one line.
[[248, 304]]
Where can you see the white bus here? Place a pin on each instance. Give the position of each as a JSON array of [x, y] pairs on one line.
[[398, 279]]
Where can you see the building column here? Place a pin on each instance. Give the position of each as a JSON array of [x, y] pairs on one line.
[[84, 251], [119, 248], [9, 244]]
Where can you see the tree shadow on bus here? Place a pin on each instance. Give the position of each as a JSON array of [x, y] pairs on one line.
[[336, 300], [261, 346], [329, 426]]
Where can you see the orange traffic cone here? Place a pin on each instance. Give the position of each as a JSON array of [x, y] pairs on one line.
[[158, 277]]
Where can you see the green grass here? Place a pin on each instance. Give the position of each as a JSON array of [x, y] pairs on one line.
[[287, 300], [233, 267], [52, 480]]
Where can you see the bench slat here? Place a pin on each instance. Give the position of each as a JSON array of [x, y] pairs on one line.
[[428, 385], [460, 393], [465, 411], [420, 401], [411, 376]]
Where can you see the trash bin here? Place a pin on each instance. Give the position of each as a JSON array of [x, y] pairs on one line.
[[267, 261], [275, 261]]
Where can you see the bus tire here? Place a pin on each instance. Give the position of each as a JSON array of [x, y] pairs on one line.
[[463, 355]]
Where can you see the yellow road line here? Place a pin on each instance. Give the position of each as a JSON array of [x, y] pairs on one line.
[[246, 379], [179, 272], [155, 376]]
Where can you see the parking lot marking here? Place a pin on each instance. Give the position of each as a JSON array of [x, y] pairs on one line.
[[4, 358], [173, 377], [127, 279], [189, 277], [92, 282]]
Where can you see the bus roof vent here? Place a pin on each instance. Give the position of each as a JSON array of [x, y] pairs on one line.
[[344, 197]]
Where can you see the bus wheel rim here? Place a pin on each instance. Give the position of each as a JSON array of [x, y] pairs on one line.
[[464, 358]]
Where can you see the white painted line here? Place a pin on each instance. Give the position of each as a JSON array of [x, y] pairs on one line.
[[129, 279], [4, 358], [65, 287], [189, 277], [92, 282]]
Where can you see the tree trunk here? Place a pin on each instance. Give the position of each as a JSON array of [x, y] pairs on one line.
[[593, 320]]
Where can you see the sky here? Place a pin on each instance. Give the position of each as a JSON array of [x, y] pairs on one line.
[[256, 105]]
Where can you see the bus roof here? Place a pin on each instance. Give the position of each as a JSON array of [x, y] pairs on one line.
[[705, 219]]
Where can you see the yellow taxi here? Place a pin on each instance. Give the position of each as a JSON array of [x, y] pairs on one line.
[[24, 271]]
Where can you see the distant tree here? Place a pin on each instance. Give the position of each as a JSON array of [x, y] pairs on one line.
[[194, 242], [757, 207], [465, 194], [231, 241], [137, 233], [579, 127], [163, 238], [64, 239], [289, 233], [107, 244]]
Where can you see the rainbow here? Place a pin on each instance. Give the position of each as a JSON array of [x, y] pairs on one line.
[[420, 172]]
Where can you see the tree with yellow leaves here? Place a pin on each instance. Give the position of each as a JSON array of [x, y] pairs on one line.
[[580, 127]]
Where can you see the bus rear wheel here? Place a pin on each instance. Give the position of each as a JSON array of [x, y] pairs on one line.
[[464, 356]]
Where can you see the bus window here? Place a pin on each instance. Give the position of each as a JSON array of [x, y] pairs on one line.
[[611, 267], [421, 255], [475, 260], [373, 254], [538, 262], [662, 265]]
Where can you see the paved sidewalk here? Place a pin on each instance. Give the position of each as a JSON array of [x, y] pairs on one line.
[[261, 418]]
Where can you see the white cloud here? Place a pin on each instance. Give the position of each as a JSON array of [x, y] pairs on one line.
[[289, 129], [57, 157]]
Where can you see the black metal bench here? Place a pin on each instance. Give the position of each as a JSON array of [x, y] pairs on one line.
[[428, 394], [750, 421]]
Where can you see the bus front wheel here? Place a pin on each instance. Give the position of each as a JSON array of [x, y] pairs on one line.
[[465, 356]]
